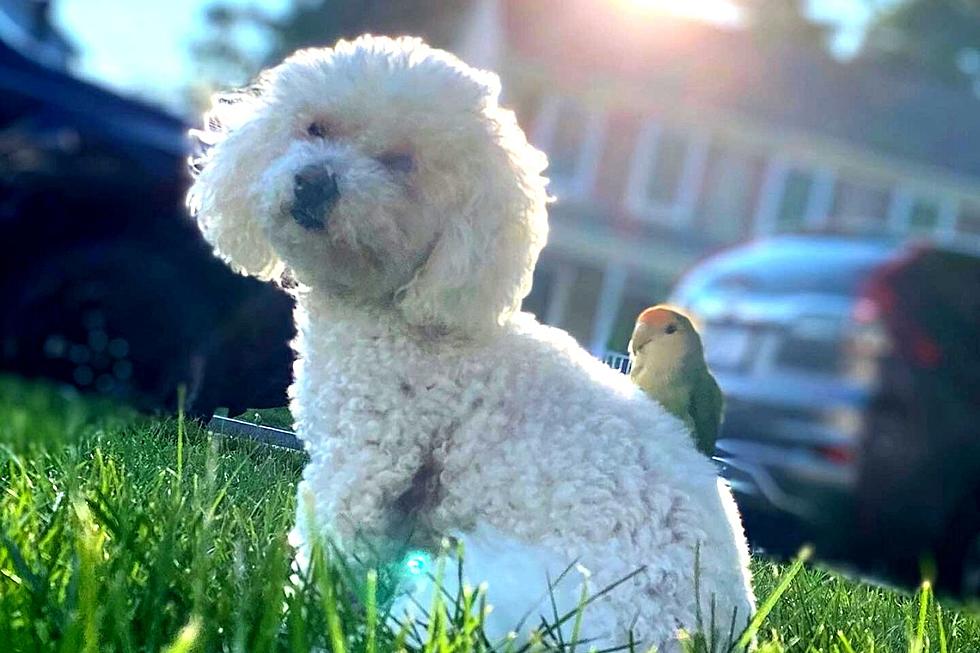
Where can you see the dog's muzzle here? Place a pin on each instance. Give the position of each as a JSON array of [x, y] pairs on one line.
[[315, 193]]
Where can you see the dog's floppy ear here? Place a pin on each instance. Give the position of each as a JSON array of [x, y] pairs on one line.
[[218, 198], [481, 266]]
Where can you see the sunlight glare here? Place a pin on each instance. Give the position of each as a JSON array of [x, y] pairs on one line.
[[719, 12], [417, 563]]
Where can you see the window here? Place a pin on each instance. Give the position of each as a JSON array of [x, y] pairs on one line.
[[729, 192], [641, 292], [582, 301], [665, 174], [540, 296], [923, 216], [667, 168], [860, 205], [968, 224], [572, 137], [792, 211], [793, 197], [920, 213]]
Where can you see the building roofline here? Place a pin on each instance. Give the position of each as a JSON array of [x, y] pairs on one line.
[[802, 146]]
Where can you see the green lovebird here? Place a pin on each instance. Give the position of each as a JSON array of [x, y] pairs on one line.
[[668, 364]]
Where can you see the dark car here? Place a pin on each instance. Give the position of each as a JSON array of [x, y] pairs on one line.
[[851, 370], [106, 282]]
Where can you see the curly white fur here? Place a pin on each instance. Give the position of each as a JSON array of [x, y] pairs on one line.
[[422, 394]]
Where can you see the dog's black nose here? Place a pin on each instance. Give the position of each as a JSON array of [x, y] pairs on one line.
[[314, 194]]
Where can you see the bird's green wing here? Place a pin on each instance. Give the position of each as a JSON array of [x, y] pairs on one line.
[[707, 403]]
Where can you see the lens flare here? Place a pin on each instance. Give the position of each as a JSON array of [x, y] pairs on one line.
[[720, 12], [417, 563]]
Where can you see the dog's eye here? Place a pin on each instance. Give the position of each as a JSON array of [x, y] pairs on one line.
[[317, 130], [397, 162], [670, 328]]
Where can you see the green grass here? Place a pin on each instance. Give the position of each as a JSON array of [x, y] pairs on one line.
[[121, 532]]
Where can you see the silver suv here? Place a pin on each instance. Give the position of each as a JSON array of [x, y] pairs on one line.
[[851, 371]]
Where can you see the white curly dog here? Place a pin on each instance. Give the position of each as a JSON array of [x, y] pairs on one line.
[[409, 208]]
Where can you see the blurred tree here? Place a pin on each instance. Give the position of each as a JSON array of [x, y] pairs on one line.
[[939, 38], [229, 54], [780, 22]]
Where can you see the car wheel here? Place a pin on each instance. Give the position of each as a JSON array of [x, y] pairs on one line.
[[117, 318], [958, 556], [970, 582]]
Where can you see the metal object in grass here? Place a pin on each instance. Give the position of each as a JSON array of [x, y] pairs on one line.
[[255, 432], [619, 362], [287, 439]]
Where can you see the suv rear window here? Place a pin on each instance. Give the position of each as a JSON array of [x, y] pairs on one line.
[[778, 268]]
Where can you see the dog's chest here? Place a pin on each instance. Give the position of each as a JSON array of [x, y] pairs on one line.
[[394, 392]]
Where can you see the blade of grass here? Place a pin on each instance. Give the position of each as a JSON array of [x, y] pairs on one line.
[[844, 642], [327, 587], [181, 394], [941, 629], [435, 631], [371, 611], [187, 638], [577, 625], [554, 611], [763, 611], [919, 643]]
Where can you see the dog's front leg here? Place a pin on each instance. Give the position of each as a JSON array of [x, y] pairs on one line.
[[373, 500]]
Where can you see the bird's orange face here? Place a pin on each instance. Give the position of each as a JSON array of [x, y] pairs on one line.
[[660, 324], [658, 318]]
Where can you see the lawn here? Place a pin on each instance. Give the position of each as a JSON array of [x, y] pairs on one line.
[[122, 532]]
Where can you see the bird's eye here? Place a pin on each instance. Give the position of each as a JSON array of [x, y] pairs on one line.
[[317, 130], [670, 328], [397, 162]]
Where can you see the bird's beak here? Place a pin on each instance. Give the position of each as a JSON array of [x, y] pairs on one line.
[[641, 336]]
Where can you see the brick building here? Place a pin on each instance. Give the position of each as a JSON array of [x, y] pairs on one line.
[[669, 139]]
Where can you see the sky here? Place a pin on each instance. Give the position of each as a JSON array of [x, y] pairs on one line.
[[142, 47]]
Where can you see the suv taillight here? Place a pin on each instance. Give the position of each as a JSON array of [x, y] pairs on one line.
[[866, 343], [870, 332], [839, 454], [883, 326]]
